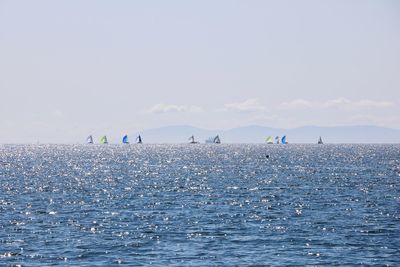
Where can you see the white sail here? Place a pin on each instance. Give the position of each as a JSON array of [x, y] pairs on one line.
[[214, 140], [89, 140]]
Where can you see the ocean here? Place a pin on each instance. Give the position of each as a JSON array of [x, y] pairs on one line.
[[200, 205]]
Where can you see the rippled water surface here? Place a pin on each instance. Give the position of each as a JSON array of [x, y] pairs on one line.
[[209, 205]]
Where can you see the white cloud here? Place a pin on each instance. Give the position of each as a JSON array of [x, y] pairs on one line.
[[297, 103], [248, 105], [165, 108], [339, 103], [359, 104]]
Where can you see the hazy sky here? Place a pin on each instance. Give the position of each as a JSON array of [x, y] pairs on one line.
[[73, 68]]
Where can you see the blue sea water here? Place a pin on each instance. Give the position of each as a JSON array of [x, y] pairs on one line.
[[200, 205]]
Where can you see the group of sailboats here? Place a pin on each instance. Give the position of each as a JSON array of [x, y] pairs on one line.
[[278, 140], [125, 140], [211, 140], [270, 140], [104, 140]]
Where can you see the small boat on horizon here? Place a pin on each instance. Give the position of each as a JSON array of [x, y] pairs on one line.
[[125, 139], [89, 139], [139, 139], [192, 141], [320, 141], [104, 140], [269, 140], [213, 140]]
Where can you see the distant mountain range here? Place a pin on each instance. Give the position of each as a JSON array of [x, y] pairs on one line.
[[257, 134]]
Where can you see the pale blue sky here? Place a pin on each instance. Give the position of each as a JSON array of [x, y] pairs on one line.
[[72, 68]]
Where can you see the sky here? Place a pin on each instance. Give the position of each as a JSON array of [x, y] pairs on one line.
[[71, 68]]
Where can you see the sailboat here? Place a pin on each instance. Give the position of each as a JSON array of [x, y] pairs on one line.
[[139, 139], [125, 139], [320, 141], [277, 139], [192, 140], [283, 140], [214, 140], [89, 140], [269, 140], [103, 140]]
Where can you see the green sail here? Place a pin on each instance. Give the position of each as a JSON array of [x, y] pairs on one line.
[[103, 140], [269, 140]]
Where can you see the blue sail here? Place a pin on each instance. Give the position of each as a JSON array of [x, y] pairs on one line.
[[284, 140], [125, 139]]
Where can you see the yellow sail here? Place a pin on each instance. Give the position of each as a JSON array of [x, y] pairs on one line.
[[269, 140], [103, 140]]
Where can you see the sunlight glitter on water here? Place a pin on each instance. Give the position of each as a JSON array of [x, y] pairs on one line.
[[199, 205]]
